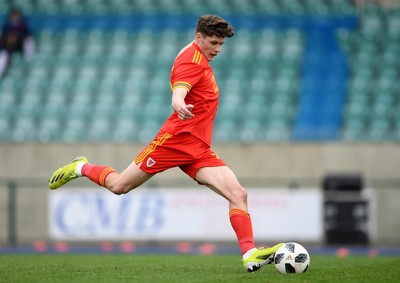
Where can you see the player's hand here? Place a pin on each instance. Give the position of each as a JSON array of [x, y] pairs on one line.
[[185, 112]]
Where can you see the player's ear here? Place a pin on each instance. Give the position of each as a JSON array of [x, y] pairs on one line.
[[198, 36]]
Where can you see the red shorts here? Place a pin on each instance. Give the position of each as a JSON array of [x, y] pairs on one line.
[[183, 150]]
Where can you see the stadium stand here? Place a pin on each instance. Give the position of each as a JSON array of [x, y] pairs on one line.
[[297, 70], [371, 111]]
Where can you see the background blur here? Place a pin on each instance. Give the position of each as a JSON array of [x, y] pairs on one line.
[[309, 89]]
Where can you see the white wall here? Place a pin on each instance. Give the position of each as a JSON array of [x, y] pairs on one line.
[[272, 165]]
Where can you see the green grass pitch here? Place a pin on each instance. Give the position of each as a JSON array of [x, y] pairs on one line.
[[187, 268]]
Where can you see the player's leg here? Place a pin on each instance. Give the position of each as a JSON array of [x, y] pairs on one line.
[[222, 180], [131, 178], [4, 57], [105, 176]]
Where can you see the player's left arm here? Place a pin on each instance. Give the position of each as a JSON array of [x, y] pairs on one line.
[[178, 103]]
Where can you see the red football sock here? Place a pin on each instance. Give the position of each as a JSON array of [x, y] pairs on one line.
[[96, 173], [241, 223]]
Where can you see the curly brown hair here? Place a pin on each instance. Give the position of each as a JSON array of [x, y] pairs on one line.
[[210, 25]]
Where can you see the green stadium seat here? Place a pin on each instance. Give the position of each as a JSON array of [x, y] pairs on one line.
[[393, 26], [317, 7], [380, 111], [389, 57], [50, 111], [74, 129], [9, 84], [99, 130], [379, 130], [7, 99], [228, 112], [56, 99], [356, 108], [251, 130], [114, 73], [24, 129], [120, 6], [281, 110], [342, 7], [277, 130], [46, 47], [124, 7], [62, 72], [5, 128], [69, 46], [148, 129], [353, 129], [396, 131], [118, 52], [88, 73], [49, 129], [270, 7], [7, 111], [38, 72], [4, 7], [359, 86], [370, 113], [95, 7], [226, 131], [253, 111], [30, 103], [47, 7], [78, 111], [125, 129]]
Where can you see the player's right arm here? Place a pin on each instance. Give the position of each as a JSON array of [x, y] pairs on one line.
[[178, 103]]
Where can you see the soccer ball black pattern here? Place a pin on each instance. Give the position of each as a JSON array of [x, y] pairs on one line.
[[292, 258]]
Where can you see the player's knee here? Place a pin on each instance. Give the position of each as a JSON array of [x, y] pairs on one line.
[[119, 189], [240, 195]]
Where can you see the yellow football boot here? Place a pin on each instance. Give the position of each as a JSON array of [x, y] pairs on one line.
[[65, 174], [259, 257]]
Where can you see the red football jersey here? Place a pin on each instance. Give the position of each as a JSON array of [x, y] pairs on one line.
[[192, 71]]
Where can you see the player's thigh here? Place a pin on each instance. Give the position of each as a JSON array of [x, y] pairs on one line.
[[223, 181], [130, 178]]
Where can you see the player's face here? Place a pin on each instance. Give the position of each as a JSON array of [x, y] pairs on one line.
[[210, 46]]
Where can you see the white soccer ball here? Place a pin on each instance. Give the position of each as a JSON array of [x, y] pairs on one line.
[[292, 258]]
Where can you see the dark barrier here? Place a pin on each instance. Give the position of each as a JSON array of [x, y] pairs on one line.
[[345, 210]]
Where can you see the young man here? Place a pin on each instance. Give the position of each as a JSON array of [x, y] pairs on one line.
[[15, 37], [185, 140]]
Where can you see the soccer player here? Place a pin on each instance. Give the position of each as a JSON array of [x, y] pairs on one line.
[[185, 140]]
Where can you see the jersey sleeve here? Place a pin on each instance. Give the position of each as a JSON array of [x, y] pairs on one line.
[[186, 75]]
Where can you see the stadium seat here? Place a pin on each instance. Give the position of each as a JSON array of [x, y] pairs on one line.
[[277, 130], [379, 130], [30, 103], [88, 50], [8, 99], [4, 7], [226, 131], [125, 129], [5, 129], [24, 129], [75, 129], [371, 102], [100, 129], [49, 129]]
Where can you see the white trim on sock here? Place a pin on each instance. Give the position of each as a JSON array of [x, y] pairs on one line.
[[79, 167], [248, 253]]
